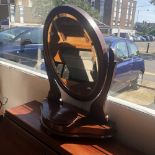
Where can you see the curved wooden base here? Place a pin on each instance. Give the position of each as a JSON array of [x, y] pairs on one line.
[[73, 124]]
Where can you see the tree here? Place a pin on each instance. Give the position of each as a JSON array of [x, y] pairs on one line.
[[145, 28], [152, 2], [42, 7]]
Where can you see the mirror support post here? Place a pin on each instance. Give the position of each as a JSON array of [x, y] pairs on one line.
[[97, 108]]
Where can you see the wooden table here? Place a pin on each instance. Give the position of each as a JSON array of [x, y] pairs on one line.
[[21, 134]]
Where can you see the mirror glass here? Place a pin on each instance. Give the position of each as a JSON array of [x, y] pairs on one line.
[[73, 55]]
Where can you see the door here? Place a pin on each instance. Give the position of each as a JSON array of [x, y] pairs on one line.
[[123, 68], [138, 62]]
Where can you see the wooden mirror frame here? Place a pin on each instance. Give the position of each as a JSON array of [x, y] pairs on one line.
[[67, 120]]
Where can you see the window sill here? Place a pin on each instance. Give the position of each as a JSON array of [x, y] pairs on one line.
[[42, 74], [23, 68], [132, 106]]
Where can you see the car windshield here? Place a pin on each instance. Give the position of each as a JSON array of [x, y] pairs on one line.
[[10, 34]]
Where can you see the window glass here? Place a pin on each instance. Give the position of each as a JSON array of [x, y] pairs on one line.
[[21, 40], [121, 50], [4, 1], [133, 49], [10, 34], [34, 36]]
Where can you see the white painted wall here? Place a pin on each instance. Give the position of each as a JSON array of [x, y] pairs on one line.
[[135, 125], [20, 87]]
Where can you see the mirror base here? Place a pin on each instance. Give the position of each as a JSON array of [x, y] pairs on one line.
[[67, 122]]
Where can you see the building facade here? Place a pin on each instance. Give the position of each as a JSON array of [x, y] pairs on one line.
[[21, 12], [118, 14], [4, 9]]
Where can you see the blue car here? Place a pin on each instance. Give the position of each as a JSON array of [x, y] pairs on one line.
[[21, 44], [130, 66]]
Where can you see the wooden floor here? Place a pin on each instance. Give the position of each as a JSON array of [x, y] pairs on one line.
[[21, 134]]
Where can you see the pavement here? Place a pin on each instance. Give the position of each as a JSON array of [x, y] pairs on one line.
[[144, 45], [145, 95]]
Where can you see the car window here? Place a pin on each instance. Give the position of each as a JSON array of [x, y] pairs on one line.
[[33, 36], [133, 49], [14, 32], [17, 31], [121, 50], [5, 37]]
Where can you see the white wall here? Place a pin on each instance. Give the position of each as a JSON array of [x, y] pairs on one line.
[[20, 87], [135, 128]]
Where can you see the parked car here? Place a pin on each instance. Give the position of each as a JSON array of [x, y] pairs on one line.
[[148, 37], [151, 38], [23, 47], [21, 44], [8, 35], [130, 66], [138, 38]]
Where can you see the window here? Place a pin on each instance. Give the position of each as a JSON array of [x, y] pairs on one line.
[[22, 42], [20, 2], [121, 50], [12, 1], [118, 23], [114, 15], [9, 35], [133, 49], [30, 3], [33, 35], [93, 3], [4, 1]]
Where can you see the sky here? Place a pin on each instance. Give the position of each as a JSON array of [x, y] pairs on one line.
[[145, 11]]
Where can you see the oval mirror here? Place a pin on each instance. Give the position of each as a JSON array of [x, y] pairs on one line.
[[74, 52]]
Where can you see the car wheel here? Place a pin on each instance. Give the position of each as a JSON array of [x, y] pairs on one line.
[[136, 83]]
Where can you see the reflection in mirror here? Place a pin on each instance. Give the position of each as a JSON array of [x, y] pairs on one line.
[[73, 55]]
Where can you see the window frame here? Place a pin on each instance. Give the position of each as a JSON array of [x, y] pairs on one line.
[[113, 47], [128, 42]]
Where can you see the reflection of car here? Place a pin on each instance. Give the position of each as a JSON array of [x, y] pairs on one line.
[[130, 67], [8, 35], [148, 37], [139, 38], [21, 44]]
